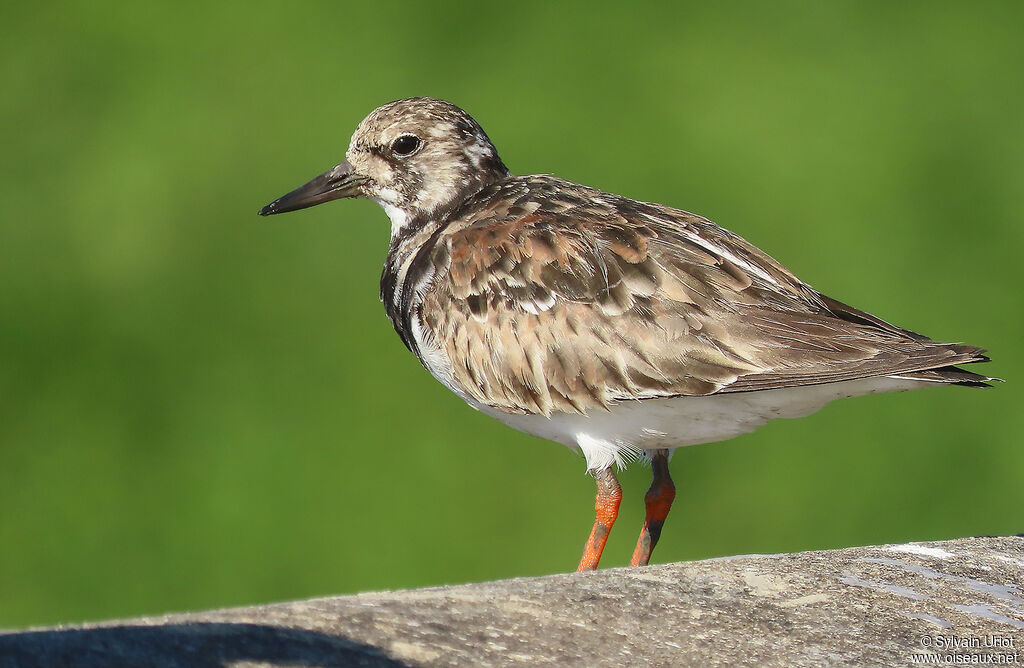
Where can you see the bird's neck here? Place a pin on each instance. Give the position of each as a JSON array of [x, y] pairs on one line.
[[412, 259]]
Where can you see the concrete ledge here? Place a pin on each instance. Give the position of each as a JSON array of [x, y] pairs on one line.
[[878, 606]]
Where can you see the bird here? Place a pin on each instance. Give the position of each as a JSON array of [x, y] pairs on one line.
[[619, 328]]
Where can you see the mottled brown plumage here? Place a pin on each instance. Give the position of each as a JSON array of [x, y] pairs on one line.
[[549, 297], [614, 326]]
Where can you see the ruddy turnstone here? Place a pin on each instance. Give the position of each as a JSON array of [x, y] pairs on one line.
[[620, 328]]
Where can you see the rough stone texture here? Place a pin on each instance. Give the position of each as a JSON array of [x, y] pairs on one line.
[[864, 606]]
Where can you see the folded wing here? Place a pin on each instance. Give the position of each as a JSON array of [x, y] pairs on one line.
[[551, 301]]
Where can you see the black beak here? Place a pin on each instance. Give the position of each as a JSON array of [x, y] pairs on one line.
[[332, 184]]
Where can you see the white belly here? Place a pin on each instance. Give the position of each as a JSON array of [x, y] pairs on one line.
[[630, 428]]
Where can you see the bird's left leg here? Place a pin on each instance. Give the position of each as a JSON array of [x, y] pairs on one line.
[[606, 507], [658, 501]]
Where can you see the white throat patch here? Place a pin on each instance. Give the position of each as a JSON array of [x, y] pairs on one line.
[[398, 217]]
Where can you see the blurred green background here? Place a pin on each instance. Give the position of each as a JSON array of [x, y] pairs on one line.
[[204, 408]]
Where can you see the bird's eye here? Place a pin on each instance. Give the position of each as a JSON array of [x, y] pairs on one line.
[[405, 145]]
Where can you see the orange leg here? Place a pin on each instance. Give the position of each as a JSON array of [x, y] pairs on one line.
[[658, 501], [609, 494]]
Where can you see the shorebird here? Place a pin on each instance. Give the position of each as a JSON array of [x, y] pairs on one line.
[[620, 328]]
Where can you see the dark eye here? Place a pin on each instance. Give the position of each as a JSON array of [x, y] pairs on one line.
[[405, 145]]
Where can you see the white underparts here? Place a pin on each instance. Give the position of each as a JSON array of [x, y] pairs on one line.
[[614, 437]]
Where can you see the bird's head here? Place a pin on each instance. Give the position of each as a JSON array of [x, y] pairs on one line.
[[414, 157]]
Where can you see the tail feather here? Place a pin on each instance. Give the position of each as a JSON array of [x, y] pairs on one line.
[[963, 353], [953, 375]]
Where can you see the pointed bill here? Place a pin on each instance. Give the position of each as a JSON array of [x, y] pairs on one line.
[[335, 183]]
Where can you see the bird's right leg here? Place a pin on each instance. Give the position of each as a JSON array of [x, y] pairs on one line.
[[658, 500], [609, 495]]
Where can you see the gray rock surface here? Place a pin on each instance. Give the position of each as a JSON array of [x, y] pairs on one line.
[[862, 606]]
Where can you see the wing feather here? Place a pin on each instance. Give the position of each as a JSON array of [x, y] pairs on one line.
[[568, 299]]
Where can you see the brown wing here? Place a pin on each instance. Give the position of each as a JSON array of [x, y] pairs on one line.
[[577, 299]]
